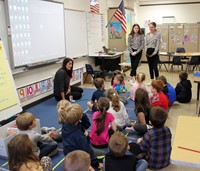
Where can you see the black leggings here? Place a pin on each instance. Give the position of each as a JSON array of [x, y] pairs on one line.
[[134, 62], [76, 92], [153, 65]]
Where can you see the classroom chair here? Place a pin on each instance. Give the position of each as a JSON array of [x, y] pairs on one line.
[[93, 73], [194, 61]]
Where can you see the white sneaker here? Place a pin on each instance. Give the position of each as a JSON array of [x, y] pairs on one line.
[[130, 130], [148, 84], [46, 130], [130, 82]]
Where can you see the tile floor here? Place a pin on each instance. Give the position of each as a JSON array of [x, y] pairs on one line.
[[176, 110]]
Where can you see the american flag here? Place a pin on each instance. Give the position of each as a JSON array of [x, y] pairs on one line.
[[94, 6], [120, 15]]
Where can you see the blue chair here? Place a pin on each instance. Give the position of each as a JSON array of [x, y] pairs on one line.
[[93, 73]]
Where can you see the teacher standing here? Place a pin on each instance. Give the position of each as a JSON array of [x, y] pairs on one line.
[[62, 88], [153, 39], [135, 46]]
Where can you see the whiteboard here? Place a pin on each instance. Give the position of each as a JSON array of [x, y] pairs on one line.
[[9, 100], [36, 31], [3, 28], [95, 24], [76, 33]]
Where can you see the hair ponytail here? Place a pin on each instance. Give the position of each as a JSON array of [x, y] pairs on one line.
[[103, 106]]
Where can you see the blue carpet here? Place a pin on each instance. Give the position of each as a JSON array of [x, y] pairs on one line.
[[47, 113]]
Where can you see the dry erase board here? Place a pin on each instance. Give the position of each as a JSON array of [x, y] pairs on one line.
[[3, 28], [76, 33], [9, 100], [36, 31], [95, 25]]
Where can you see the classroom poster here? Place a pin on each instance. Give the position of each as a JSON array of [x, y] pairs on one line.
[[8, 95], [115, 30]]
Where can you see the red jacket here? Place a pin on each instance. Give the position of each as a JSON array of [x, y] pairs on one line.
[[159, 100]]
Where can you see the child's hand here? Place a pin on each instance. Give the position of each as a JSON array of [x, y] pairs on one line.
[[52, 134], [86, 133], [139, 140], [91, 168], [100, 166]]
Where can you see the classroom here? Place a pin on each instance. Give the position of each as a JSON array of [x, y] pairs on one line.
[[77, 33]]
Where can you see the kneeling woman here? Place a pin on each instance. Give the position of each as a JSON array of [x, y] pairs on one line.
[[62, 88]]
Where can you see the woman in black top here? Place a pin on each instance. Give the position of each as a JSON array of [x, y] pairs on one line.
[[62, 88]]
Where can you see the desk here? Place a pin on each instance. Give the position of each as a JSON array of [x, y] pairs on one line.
[[186, 54], [107, 62], [187, 135], [197, 80]]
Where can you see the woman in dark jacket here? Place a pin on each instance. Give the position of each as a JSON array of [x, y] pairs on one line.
[[62, 88]]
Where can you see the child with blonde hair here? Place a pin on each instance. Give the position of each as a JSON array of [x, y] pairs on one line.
[[120, 88], [84, 123], [72, 136], [101, 120], [77, 160], [139, 83], [25, 123], [118, 110]]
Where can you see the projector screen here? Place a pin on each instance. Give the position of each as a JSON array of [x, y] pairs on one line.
[[36, 30]]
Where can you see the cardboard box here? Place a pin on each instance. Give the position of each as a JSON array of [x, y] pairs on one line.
[[5, 138]]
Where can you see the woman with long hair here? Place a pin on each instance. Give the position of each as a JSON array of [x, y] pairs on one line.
[[153, 39], [62, 88], [135, 46]]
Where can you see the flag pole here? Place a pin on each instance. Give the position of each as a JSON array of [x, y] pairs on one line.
[[110, 19], [113, 15]]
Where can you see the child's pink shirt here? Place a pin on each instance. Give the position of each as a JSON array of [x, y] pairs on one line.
[[134, 87], [103, 138]]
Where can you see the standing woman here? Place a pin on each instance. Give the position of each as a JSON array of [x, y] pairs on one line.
[[62, 88], [153, 39], [135, 46]]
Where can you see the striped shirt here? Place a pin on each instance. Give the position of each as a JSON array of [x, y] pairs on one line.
[[135, 42], [156, 145], [153, 42]]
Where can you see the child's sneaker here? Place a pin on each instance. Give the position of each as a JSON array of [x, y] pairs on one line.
[[45, 130], [130, 82], [148, 84], [130, 130]]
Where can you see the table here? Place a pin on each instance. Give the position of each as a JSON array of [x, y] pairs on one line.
[[107, 62], [187, 139], [197, 80], [186, 54]]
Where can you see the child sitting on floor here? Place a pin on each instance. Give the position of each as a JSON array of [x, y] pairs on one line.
[[101, 120], [117, 159], [77, 160], [168, 90], [99, 84], [139, 83], [142, 110], [44, 145], [155, 146], [118, 110], [158, 98], [120, 88], [72, 136], [183, 89], [112, 80], [23, 158]]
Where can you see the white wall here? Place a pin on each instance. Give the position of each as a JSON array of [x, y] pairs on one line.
[[40, 73], [186, 13]]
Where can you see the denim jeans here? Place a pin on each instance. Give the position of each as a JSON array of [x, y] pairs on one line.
[[47, 147], [141, 165]]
